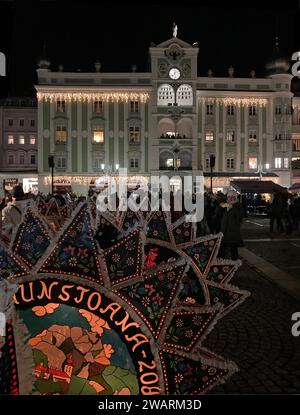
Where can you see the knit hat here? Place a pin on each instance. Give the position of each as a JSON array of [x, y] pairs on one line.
[[17, 192]]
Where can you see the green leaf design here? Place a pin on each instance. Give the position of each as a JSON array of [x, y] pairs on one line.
[[79, 386], [119, 378]]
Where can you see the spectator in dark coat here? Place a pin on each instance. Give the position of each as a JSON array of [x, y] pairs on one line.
[[231, 214], [276, 212]]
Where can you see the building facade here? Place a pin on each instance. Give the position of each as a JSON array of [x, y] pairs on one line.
[[165, 122], [18, 143], [296, 141]]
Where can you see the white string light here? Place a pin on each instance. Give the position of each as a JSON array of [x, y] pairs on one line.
[[93, 96], [239, 102]]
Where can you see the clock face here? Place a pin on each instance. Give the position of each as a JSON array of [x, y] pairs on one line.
[[174, 73]]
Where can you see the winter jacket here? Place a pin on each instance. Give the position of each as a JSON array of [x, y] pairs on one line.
[[231, 220]]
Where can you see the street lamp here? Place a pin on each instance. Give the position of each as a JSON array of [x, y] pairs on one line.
[[51, 165], [212, 162]]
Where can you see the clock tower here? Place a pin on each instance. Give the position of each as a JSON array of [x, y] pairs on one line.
[[173, 107]]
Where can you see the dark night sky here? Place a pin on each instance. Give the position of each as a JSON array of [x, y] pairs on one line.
[[120, 34]]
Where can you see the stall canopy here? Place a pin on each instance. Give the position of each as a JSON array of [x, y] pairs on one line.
[[295, 186], [255, 186]]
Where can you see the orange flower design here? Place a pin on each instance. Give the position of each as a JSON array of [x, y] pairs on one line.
[[47, 309]]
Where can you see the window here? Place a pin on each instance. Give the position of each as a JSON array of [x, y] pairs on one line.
[[134, 134], [32, 139], [32, 123], [98, 106], [278, 109], [134, 163], [231, 136], [10, 122], [170, 162], [252, 136], [21, 123], [184, 95], [165, 95], [61, 162], [98, 134], [22, 159], [209, 109], [11, 159], [32, 159], [252, 110], [10, 139], [21, 139], [230, 163], [60, 106], [286, 162], [61, 134], [252, 164], [209, 135], [97, 163], [230, 109], [278, 162], [134, 106]]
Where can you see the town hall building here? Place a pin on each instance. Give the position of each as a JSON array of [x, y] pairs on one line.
[[165, 122]]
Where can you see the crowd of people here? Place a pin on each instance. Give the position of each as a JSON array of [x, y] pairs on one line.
[[222, 213]]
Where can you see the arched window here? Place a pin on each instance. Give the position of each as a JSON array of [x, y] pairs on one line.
[[165, 95], [184, 95]]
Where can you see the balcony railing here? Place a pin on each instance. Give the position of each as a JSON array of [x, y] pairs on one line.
[[174, 137], [175, 169]]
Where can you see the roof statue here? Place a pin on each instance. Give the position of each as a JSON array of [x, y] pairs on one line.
[[175, 30]]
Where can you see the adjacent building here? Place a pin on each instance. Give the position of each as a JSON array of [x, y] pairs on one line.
[[18, 143], [168, 121]]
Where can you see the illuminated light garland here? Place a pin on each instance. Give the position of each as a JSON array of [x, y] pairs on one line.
[[68, 180], [92, 96], [239, 102]]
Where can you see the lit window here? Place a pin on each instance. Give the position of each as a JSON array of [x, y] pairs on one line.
[[165, 95], [278, 162], [22, 159], [98, 106], [32, 159], [231, 136], [252, 136], [252, 110], [21, 139], [10, 139], [61, 162], [230, 163], [170, 162], [230, 109], [134, 163], [252, 163], [134, 134], [11, 159], [32, 139], [209, 109], [209, 135], [184, 95], [32, 123], [134, 106], [286, 162], [10, 122], [61, 134], [21, 123], [98, 135], [278, 109], [60, 106]]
